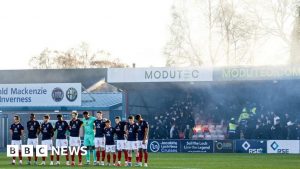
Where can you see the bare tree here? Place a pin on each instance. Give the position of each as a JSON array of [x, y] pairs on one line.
[[231, 33], [295, 42], [42, 61], [80, 57], [180, 49]]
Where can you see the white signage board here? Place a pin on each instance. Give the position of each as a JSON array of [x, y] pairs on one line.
[[47, 94], [127, 75]]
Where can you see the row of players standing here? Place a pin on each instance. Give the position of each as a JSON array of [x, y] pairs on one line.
[[98, 138]]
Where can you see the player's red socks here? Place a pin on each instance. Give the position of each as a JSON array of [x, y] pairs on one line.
[[137, 159], [98, 155], [119, 155], [73, 157], [51, 157], [57, 157], [146, 157], [20, 155], [140, 156], [114, 157], [108, 158], [29, 158], [44, 158], [14, 158], [126, 155], [79, 156], [67, 156], [129, 159], [35, 157], [103, 155]]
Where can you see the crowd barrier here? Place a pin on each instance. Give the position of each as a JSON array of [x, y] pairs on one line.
[[225, 146]]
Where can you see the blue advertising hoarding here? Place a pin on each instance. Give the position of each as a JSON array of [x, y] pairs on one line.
[[164, 146], [223, 146], [251, 146], [196, 146]]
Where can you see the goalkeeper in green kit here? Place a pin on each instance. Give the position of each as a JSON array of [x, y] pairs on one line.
[[89, 135]]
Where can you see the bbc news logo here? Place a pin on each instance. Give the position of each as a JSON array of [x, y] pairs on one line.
[[42, 150]]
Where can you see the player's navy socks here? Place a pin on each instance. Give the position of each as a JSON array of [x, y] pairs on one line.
[[146, 156], [98, 155], [119, 155], [94, 155], [108, 158], [88, 155], [103, 155], [114, 158]]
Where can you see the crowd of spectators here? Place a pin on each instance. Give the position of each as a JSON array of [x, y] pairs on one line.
[[177, 122], [267, 125], [252, 121]]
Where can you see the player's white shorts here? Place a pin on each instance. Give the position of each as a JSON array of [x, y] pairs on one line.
[[99, 142], [32, 141], [17, 142], [110, 148], [61, 143], [48, 143], [121, 145], [131, 145], [141, 145], [75, 141]]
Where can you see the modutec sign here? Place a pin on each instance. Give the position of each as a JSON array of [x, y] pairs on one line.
[[48, 94], [121, 75]]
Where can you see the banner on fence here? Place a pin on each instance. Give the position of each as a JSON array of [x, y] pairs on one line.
[[223, 146], [283, 146], [250, 146]]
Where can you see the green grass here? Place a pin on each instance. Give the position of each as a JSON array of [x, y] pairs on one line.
[[196, 161]]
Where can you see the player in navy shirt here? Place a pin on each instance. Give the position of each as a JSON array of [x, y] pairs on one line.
[[33, 128], [61, 126], [74, 128], [47, 135], [132, 130], [110, 146], [142, 139], [17, 131], [121, 141], [99, 137]]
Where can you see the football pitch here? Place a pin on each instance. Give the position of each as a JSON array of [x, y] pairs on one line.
[[194, 161]]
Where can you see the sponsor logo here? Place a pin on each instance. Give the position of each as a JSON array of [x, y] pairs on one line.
[[154, 146], [57, 94], [274, 145], [71, 94], [246, 145]]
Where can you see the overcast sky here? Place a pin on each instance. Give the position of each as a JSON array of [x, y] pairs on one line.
[[133, 30]]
